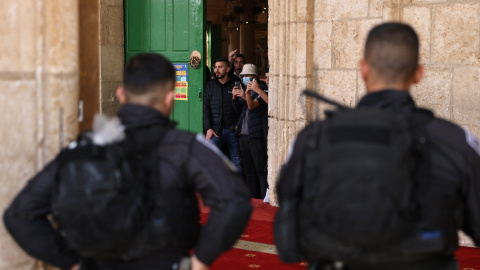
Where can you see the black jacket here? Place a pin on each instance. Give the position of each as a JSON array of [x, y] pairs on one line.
[[187, 166], [455, 169], [255, 119], [213, 104]]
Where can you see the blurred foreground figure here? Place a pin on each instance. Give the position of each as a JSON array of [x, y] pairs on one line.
[[124, 195], [385, 185]]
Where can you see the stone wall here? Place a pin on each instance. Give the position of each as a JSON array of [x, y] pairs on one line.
[[318, 43], [38, 102], [112, 54]]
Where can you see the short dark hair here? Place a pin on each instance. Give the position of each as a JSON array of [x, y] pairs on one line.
[[146, 70], [242, 56], [225, 60], [392, 51]]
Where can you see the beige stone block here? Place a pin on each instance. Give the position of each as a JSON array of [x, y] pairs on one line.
[[18, 99], [304, 9], [391, 10], [18, 31], [339, 85], [61, 108], [292, 44], [61, 36], [111, 25], [273, 96], [18, 157], [108, 91], [420, 19], [274, 145], [291, 98], [300, 100], [112, 58], [282, 12], [466, 97], [455, 34], [376, 8], [322, 45], [424, 1], [282, 99], [111, 108], [291, 10], [433, 92], [110, 103], [340, 9], [302, 46], [348, 41]]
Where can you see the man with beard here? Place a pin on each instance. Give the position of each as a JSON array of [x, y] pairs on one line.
[[219, 118]]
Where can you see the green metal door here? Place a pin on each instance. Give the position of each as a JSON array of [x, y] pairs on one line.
[[174, 28]]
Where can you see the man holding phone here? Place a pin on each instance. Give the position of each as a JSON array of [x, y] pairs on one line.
[[219, 117], [250, 130]]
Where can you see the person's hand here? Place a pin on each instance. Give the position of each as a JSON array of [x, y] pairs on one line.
[[210, 134], [232, 55], [235, 92], [75, 267], [241, 93], [249, 87], [197, 264], [254, 86]]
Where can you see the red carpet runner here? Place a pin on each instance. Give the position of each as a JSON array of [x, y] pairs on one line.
[[256, 250]]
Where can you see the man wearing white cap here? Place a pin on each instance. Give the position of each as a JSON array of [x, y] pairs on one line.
[[250, 130]]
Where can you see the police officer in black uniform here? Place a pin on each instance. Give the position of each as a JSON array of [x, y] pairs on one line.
[[389, 68], [188, 165]]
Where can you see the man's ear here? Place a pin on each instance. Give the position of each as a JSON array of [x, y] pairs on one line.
[[228, 69], [121, 95], [364, 70], [168, 103], [418, 74]]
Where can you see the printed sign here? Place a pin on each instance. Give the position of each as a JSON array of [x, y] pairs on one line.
[[181, 81]]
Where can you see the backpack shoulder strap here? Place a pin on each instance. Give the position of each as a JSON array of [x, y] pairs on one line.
[[325, 99]]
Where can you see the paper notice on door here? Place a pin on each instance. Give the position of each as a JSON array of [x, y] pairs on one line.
[[181, 81]]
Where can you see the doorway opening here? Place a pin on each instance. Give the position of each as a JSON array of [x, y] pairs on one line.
[[238, 25]]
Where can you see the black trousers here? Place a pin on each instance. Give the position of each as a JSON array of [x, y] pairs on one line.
[[254, 159]]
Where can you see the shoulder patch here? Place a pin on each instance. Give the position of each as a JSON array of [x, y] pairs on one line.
[[201, 139], [473, 141]]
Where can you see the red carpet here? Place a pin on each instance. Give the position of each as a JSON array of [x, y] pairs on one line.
[[259, 231]]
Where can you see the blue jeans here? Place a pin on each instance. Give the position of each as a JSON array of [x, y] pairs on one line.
[[226, 135]]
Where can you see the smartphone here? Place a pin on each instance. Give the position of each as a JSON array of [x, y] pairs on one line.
[[254, 80], [237, 84]]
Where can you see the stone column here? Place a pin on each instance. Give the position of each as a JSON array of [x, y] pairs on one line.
[[247, 41], [234, 37], [290, 51], [38, 102]]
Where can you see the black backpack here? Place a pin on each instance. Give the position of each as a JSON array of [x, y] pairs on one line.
[[104, 204], [365, 183]]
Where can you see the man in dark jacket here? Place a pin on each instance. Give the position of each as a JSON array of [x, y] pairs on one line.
[[187, 165], [390, 67], [250, 130], [219, 118]]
